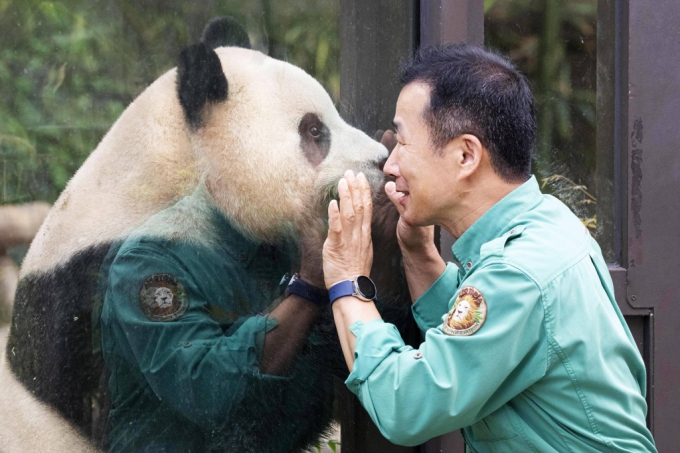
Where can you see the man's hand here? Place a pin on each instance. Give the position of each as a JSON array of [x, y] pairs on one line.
[[311, 242], [412, 239], [348, 250], [422, 262]]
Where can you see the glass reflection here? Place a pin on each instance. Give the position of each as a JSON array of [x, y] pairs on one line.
[[69, 71], [554, 43]]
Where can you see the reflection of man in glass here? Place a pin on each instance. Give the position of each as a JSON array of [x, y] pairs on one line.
[[202, 342], [548, 364]]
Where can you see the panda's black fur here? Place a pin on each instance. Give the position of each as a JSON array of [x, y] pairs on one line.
[[54, 344], [200, 80], [50, 342]]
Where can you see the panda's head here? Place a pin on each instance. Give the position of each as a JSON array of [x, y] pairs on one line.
[[268, 140]]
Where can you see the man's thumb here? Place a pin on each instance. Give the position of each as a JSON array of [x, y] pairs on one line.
[[394, 196]]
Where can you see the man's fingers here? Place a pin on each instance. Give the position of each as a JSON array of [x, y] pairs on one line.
[[334, 223], [389, 140], [346, 208], [357, 206], [367, 202], [394, 196]]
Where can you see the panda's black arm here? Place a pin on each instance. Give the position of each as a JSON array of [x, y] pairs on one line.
[[295, 317]]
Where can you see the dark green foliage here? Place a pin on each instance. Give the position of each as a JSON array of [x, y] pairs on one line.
[[68, 69], [554, 43]]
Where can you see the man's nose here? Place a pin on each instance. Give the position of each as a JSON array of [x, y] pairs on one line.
[[390, 167]]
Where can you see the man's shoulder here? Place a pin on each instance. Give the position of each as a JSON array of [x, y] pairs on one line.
[[174, 234], [552, 239]]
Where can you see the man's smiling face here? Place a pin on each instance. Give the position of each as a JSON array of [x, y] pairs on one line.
[[423, 175]]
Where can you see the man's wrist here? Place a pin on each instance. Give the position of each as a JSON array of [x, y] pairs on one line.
[[427, 254], [342, 278], [360, 286], [310, 280], [305, 290], [345, 301]]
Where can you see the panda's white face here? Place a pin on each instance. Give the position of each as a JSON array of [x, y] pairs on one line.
[[279, 126], [252, 149]]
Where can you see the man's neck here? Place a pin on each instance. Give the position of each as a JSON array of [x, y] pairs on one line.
[[475, 201]]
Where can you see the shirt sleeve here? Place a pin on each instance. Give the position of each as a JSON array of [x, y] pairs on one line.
[[429, 308], [190, 362], [453, 381]]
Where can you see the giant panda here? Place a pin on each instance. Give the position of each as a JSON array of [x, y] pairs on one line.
[[229, 117]]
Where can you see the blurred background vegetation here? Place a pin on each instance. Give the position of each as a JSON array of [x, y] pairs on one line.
[[68, 69], [553, 42]]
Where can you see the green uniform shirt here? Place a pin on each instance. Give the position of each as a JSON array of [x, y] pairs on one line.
[[545, 362], [180, 367]]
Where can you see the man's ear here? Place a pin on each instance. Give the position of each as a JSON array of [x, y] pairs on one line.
[[471, 154]]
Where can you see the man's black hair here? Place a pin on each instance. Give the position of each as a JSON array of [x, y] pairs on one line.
[[475, 91]]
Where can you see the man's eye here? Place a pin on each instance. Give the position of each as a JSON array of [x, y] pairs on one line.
[[314, 131]]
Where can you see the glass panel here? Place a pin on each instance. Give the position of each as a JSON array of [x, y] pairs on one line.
[[553, 42], [68, 71]]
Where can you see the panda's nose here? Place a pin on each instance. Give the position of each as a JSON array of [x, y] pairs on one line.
[[380, 164]]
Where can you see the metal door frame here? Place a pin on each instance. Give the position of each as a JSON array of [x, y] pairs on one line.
[[638, 150]]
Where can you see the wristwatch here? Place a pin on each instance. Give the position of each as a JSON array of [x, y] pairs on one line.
[[362, 287], [301, 288]]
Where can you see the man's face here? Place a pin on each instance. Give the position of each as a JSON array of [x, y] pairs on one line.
[[423, 176]]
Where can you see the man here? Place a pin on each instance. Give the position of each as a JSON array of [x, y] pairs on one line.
[[525, 348], [200, 363]]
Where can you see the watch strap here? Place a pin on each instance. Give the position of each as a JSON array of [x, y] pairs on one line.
[[301, 288], [341, 289]]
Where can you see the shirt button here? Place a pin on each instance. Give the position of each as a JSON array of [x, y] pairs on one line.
[[468, 265], [512, 231], [242, 256], [187, 344], [418, 355]]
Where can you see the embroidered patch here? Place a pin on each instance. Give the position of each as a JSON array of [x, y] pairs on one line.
[[467, 315], [163, 298]]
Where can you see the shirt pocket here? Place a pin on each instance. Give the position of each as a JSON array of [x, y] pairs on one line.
[[499, 432]]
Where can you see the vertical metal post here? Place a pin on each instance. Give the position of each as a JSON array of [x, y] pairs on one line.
[[375, 36], [650, 248], [447, 22]]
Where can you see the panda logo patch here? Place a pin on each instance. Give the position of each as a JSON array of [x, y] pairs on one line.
[[467, 314], [163, 298]]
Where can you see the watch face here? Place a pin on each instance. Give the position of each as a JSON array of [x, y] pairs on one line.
[[366, 287]]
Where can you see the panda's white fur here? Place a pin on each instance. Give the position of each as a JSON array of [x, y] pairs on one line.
[[247, 151], [148, 160]]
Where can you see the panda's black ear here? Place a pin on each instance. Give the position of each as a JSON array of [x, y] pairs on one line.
[[200, 79], [225, 31]]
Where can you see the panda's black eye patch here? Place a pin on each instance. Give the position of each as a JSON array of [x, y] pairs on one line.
[[315, 138]]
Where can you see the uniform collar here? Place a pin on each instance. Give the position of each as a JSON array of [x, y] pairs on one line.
[[232, 239], [494, 222]]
